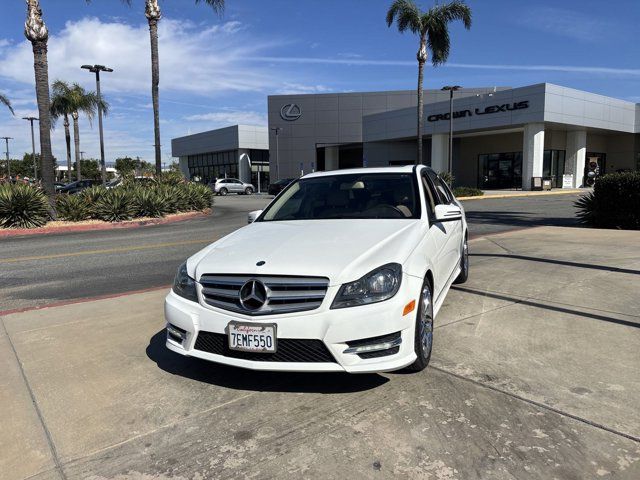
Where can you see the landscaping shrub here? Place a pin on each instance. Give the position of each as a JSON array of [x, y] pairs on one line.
[[74, 208], [116, 205], [447, 177], [467, 192], [614, 202], [170, 178], [22, 206], [148, 203], [92, 194]]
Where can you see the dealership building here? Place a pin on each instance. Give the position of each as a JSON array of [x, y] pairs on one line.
[[503, 138]]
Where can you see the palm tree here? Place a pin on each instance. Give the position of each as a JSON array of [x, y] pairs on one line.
[[7, 103], [432, 27], [36, 32], [153, 14], [71, 101]]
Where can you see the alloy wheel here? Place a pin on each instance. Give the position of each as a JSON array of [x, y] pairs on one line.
[[426, 321]]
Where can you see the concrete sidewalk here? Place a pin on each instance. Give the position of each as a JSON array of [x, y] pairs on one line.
[[493, 194], [535, 374]]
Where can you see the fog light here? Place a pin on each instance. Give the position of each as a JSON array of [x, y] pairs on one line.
[[176, 334], [375, 344]]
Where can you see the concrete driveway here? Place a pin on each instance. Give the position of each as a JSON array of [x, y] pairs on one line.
[[535, 374]]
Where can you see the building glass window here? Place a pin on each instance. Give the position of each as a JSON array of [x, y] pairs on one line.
[[500, 170], [553, 166]]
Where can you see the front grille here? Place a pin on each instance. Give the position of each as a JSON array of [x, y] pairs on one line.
[[284, 294], [288, 350]]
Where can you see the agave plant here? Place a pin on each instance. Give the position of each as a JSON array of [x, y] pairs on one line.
[[22, 206], [115, 205], [91, 195], [148, 203], [73, 208]]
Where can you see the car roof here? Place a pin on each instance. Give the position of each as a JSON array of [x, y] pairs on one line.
[[351, 171]]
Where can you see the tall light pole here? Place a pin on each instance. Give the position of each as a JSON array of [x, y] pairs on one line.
[[97, 69], [6, 139], [451, 89], [277, 130], [33, 147]]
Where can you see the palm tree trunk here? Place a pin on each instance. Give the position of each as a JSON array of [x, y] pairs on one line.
[[76, 143], [422, 58], [67, 138], [41, 68], [155, 81]]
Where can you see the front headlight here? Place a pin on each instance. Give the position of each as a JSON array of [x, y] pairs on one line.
[[376, 286], [184, 285]]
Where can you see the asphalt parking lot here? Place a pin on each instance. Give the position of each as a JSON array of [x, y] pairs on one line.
[[535, 374]]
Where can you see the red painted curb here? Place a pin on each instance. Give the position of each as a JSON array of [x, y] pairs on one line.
[[82, 300], [99, 226]]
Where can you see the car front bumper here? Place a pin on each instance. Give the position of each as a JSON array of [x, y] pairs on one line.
[[334, 328]]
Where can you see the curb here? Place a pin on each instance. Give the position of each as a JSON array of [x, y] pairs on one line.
[[100, 226], [516, 195], [75, 301]]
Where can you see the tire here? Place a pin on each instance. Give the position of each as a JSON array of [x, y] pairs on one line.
[[248, 191], [223, 191], [464, 263], [423, 339]]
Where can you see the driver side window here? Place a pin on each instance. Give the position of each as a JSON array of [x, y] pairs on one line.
[[430, 198]]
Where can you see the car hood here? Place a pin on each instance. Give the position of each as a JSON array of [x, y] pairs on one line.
[[341, 250]]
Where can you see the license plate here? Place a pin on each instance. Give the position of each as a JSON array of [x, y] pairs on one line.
[[248, 337]]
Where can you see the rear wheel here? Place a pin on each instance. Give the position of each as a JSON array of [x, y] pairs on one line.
[[464, 263], [248, 191], [423, 341], [223, 191]]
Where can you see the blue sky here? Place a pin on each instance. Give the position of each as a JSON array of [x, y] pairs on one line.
[[219, 71]]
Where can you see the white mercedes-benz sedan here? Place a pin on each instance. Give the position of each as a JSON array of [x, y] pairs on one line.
[[343, 271]]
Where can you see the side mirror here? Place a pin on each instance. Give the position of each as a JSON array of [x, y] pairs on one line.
[[253, 215], [448, 213]]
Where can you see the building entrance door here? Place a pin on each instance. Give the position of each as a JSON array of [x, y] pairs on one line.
[[498, 171]]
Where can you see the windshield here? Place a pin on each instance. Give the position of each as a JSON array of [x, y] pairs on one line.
[[365, 195]]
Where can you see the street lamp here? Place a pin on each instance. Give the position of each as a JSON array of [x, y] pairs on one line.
[[33, 147], [277, 130], [6, 139], [97, 69], [451, 89]]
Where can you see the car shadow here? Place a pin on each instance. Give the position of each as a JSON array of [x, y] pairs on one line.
[[250, 380]]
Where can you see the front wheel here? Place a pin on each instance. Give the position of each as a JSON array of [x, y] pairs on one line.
[[423, 340], [248, 191], [223, 191], [464, 263]]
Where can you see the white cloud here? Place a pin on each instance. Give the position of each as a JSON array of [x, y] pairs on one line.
[[205, 61], [298, 88], [229, 117]]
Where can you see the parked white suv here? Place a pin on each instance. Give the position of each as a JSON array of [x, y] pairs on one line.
[[224, 186], [343, 271]]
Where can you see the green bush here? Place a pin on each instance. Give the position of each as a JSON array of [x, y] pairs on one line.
[[467, 192], [447, 177], [116, 205], [614, 202], [198, 196], [148, 203], [170, 178], [92, 194], [73, 208], [23, 206]]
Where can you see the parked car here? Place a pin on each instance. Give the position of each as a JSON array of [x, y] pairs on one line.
[[58, 186], [138, 180], [276, 187], [344, 271], [224, 186], [78, 186]]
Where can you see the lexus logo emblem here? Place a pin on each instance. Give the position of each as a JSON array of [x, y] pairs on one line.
[[290, 112], [253, 295]]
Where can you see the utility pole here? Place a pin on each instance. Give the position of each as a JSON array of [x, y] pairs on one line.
[[33, 147], [6, 139], [451, 89], [97, 69], [277, 131]]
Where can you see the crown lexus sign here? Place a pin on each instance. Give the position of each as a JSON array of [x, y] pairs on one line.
[[505, 107], [290, 112]]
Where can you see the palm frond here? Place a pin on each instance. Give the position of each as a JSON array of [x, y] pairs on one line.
[[438, 40], [7, 103], [217, 5], [455, 10], [407, 14]]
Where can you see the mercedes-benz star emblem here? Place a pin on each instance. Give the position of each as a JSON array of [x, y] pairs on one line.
[[290, 112], [253, 295]]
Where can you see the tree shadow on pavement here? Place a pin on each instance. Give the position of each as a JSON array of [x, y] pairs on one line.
[[243, 379], [519, 219]]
